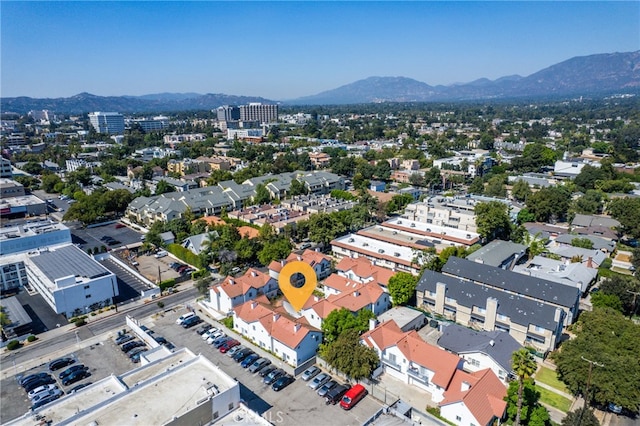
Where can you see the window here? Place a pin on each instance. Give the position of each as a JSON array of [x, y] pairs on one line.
[[474, 362], [458, 418], [88, 296], [86, 287], [216, 415], [230, 406]]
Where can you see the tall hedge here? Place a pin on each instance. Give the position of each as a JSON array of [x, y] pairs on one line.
[[185, 255]]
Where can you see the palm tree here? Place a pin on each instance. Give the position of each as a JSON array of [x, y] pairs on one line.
[[535, 243], [524, 366]]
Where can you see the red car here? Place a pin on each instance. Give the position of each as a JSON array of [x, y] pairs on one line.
[[228, 345]]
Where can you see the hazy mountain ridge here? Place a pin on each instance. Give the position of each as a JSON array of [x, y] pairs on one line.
[[593, 74]]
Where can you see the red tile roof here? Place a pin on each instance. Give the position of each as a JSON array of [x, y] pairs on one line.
[[234, 287], [484, 399], [363, 268], [285, 329], [310, 257]]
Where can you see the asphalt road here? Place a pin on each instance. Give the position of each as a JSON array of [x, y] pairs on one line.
[[94, 328]]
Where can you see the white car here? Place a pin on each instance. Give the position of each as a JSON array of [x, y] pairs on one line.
[[214, 336], [160, 254], [50, 393], [209, 333], [41, 389], [183, 317]]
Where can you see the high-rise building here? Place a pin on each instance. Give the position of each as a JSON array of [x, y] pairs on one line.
[[228, 113], [107, 122], [259, 112], [6, 171]]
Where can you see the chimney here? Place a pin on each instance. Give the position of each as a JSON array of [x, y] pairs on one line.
[[254, 304], [296, 327], [373, 323], [299, 257], [590, 262], [492, 343], [282, 263], [275, 317], [465, 386], [254, 274], [232, 282], [356, 293]]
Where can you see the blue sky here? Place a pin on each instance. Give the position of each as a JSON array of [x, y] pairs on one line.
[[283, 50]]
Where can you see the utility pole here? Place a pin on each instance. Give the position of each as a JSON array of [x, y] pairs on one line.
[[586, 391], [633, 306]]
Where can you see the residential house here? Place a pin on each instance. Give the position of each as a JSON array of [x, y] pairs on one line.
[[167, 238], [320, 263], [597, 243], [498, 253], [232, 292], [591, 258], [474, 399], [197, 243], [290, 339], [362, 270], [480, 349], [572, 274], [377, 186], [532, 322], [405, 356], [319, 160]]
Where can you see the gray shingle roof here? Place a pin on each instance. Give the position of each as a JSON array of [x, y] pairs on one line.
[[497, 252], [537, 288], [460, 340], [519, 309]]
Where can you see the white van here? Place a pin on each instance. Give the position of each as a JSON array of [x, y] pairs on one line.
[[183, 317], [160, 254]]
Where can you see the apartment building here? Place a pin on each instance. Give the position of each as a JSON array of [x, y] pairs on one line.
[[107, 122], [259, 112]]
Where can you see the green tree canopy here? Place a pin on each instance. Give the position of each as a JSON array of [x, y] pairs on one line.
[[402, 287], [532, 413], [627, 212], [348, 355], [341, 320], [549, 204], [492, 220], [608, 338], [580, 417], [163, 187], [520, 190]]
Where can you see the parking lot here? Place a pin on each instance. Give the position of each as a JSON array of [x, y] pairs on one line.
[[296, 404], [129, 285], [149, 267], [103, 359], [89, 238]]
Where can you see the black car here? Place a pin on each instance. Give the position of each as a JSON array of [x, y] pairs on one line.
[[71, 370], [80, 386], [59, 363], [242, 355], [160, 339], [32, 384], [105, 238], [273, 376], [120, 340], [45, 401], [268, 369], [334, 395], [24, 380], [191, 321], [282, 382], [76, 376], [130, 345], [203, 329], [113, 242]]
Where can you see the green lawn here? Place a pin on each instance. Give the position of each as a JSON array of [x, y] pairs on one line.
[[549, 377], [553, 399]]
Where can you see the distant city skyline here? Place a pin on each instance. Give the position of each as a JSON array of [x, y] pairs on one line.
[[285, 50]]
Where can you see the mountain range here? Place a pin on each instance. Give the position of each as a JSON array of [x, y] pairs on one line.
[[599, 74]]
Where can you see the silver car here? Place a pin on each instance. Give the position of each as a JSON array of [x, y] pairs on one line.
[[310, 373], [259, 364], [319, 380], [327, 387]]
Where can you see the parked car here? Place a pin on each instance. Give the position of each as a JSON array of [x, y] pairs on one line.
[[32, 384], [221, 341], [41, 389], [184, 317], [273, 376], [135, 356], [114, 242], [45, 401], [231, 352], [215, 336], [324, 389], [75, 377], [119, 225], [282, 382], [71, 370], [137, 350], [80, 386], [124, 339], [242, 355], [46, 394], [187, 271], [319, 380], [160, 339], [105, 238], [266, 370], [259, 364], [204, 329], [160, 254], [352, 396], [310, 373], [190, 322], [228, 345], [334, 395], [169, 346], [24, 380], [250, 359], [130, 345]]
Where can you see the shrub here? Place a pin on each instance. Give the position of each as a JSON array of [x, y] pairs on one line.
[[606, 264], [228, 322], [161, 304], [167, 283], [80, 322], [13, 345], [199, 274], [32, 338]]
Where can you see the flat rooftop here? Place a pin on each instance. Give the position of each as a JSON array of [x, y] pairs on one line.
[[22, 200], [67, 260], [376, 248], [152, 394], [442, 233], [31, 229]]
